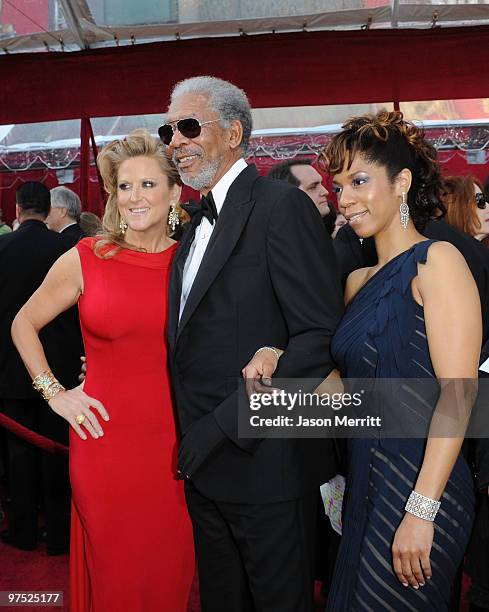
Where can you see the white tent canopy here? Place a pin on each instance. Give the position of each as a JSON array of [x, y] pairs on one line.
[[71, 25]]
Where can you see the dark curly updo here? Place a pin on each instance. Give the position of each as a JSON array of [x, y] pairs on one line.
[[387, 140]]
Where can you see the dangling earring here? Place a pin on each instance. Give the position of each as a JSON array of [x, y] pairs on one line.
[[173, 217], [404, 210], [123, 227]]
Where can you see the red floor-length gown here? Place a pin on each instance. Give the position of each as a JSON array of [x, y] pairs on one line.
[[131, 544]]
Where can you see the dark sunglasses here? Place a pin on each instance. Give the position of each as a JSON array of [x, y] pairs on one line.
[[189, 128], [480, 200]]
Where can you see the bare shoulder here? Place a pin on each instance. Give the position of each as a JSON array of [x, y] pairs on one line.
[[69, 260], [355, 282], [444, 271], [443, 257]]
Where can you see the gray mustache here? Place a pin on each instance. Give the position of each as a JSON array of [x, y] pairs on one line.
[[177, 154]]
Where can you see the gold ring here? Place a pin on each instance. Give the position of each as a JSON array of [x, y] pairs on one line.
[[80, 419]]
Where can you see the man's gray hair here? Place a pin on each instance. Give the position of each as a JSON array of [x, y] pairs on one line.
[[62, 197], [225, 99]]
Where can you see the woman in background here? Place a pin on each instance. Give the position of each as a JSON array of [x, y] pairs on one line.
[[467, 206], [468, 211], [90, 224], [131, 543]]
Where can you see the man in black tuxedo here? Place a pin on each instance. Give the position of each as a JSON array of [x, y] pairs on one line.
[[65, 214], [255, 268], [25, 257]]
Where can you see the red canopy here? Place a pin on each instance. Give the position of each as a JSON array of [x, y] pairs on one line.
[[327, 67]]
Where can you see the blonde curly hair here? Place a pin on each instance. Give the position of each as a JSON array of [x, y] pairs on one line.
[[139, 143]]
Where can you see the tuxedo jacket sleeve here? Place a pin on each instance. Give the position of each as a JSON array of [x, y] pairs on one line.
[[304, 276], [71, 235]]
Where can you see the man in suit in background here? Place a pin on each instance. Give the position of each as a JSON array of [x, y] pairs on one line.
[[25, 257], [255, 268], [299, 172], [65, 215]]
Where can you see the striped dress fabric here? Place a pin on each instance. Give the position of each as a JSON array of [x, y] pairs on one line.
[[383, 335]]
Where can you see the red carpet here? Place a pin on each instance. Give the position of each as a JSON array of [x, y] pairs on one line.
[[35, 571]]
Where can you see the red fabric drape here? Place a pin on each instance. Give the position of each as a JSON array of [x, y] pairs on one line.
[[11, 181], [305, 68], [87, 140]]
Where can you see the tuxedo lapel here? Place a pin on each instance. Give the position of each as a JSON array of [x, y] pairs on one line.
[[230, 224], [176, 275]]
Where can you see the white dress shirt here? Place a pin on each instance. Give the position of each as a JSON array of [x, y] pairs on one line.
[[204, 231]]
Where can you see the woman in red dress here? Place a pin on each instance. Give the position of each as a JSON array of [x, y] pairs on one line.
[[131, 546]]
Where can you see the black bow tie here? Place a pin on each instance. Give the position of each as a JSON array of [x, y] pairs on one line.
[[205, 208]]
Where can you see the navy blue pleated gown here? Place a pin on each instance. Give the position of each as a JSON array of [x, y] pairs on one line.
[[383, 335]]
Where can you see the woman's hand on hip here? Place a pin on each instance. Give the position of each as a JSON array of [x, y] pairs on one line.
[[74, 404]]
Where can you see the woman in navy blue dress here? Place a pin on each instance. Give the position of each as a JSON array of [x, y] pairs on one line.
[[409, 502], [416, 314]]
